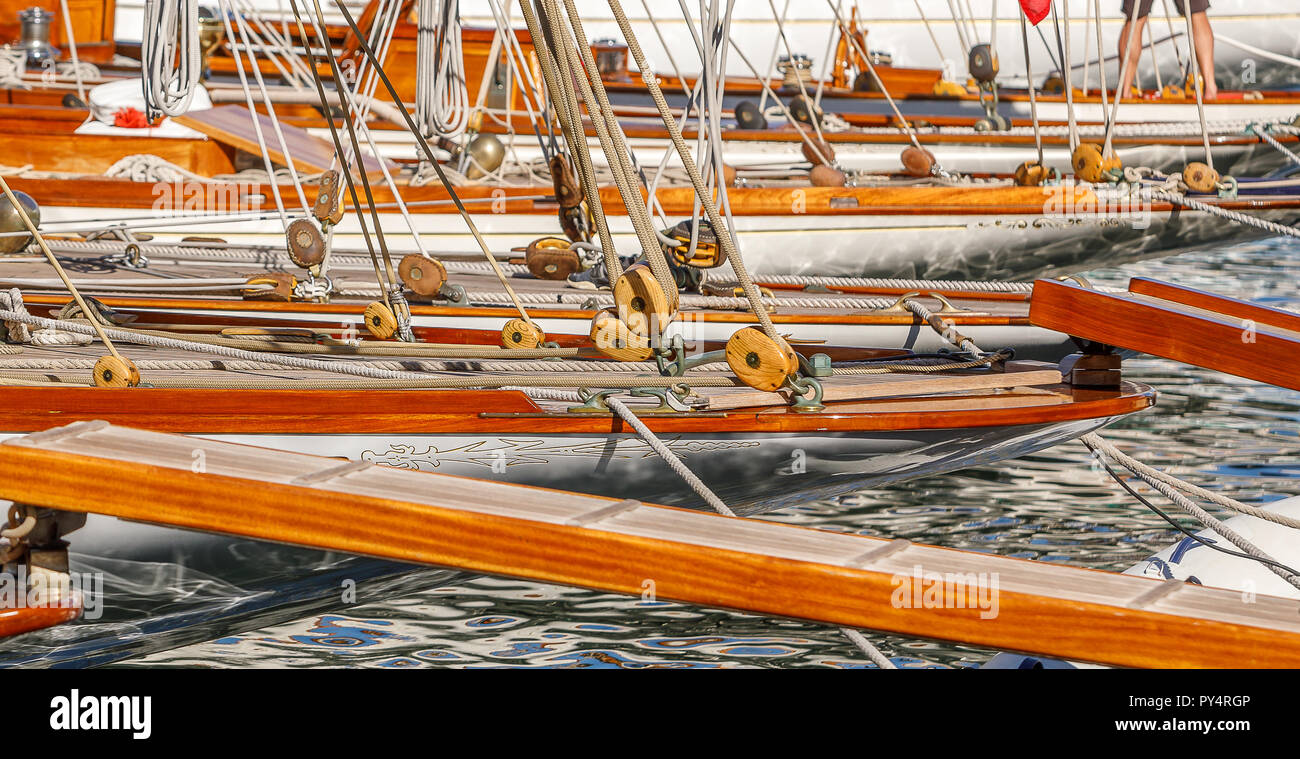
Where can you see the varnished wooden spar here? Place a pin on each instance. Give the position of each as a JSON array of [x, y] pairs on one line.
[[22, 619], [619, 546], [201, 411], [1178, 323]]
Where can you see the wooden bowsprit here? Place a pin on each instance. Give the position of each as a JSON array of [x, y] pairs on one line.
[[1178, 323], [628, 546]]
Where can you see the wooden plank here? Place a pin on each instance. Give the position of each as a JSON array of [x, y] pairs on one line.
[[1241, 309], [690, 556], [1177, 331], [862, 387], [233, 125]]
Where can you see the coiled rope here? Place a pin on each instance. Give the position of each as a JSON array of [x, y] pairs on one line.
[[170, 50]]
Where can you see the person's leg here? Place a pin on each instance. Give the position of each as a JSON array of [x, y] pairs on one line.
[[1129, 59], [1204, 39]]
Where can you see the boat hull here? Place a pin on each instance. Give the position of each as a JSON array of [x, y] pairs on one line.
[[875, 242]]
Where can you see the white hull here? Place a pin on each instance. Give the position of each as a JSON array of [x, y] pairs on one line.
[[966, 158], [972, 247]]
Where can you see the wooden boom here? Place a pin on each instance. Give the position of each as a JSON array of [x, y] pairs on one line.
[[628, 546], [1178, 323]]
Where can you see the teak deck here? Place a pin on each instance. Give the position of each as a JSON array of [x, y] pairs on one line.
[[232, 124], [603, 543]]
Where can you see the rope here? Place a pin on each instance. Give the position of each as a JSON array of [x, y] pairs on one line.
[[72, 49], [1207, 520], [441, 97], [428, 153], [1144, 471], [943, 327], [352, 368], [1262, 131], [1033, 98], [873, 653], [575, 137], [711, 498], [901, 284], [1199, 81], [697, 181], [669, 457], [58, 267], [32, 363], [1177, 198], [169, 78]]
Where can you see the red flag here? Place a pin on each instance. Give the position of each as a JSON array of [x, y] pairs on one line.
[[1036, 10]]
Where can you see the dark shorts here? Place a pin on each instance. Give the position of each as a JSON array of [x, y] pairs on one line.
[[1144, 7]]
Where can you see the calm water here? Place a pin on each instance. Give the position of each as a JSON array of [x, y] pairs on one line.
[[1227, 434]]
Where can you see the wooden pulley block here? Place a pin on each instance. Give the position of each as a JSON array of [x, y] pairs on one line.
[[827, 155], [804, 110], [612, 337], [1087, 162], [1054, 84], [1173, 92], [282, 281], [305, 243], [111, 371], [328, 194], [865, 82], [642, 303], [1031, 174], [759, 361], [983, 64], [945, 88], [825, 176], [552, 258], [708, 252], [1200, 178], [422, 276], [917, 162], [518, 333], [748, 116], [568, 193], [728, 175], [380, 320], [575, 222]]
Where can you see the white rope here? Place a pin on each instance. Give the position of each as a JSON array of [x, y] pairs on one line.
[[669, 457], [441, 97], [873, 653], [1095, 443], [1178, 198], [1262, 131], [1199, 82], [170, 50], [72, 49]]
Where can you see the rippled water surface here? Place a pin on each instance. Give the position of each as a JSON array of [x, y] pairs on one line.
[[1227, 434]]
